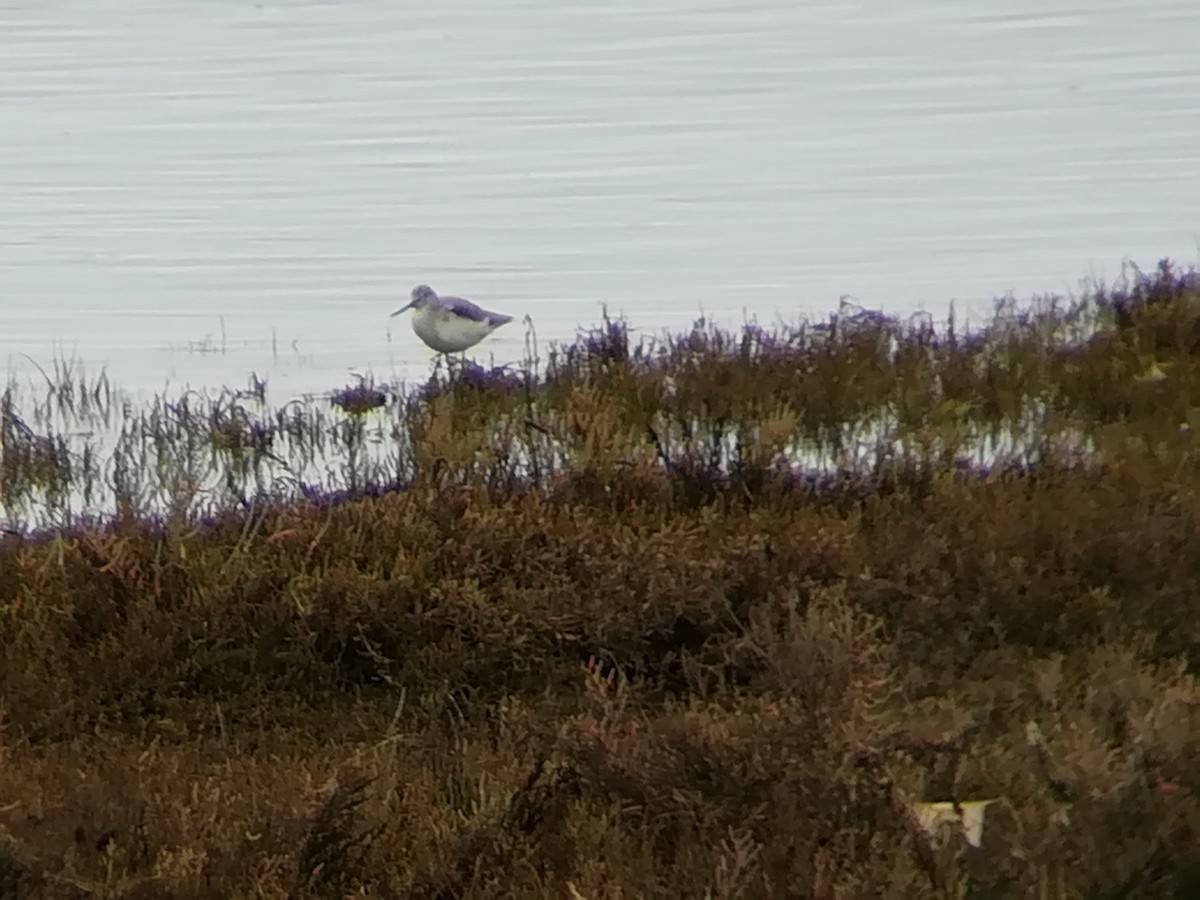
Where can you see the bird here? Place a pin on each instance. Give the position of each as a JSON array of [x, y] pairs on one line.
[[449, 324]]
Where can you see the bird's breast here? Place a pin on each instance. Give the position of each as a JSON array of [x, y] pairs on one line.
[[447, 333]]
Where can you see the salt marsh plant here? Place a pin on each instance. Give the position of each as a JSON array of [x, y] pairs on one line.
[[860, 395], [720, 614]]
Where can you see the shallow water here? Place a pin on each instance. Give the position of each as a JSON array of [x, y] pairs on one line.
[[191, 190]]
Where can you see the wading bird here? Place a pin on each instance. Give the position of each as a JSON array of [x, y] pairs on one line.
[[449, 324]]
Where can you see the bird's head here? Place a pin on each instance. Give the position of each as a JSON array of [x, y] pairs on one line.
[[422, 295]]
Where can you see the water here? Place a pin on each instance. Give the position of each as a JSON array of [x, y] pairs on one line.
[[191, 190]]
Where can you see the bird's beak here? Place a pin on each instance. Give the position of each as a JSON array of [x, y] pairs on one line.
[[405, 307]]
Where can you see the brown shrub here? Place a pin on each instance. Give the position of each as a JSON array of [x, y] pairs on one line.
[[659, 657]]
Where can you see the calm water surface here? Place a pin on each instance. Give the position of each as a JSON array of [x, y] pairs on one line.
[[178, 176]]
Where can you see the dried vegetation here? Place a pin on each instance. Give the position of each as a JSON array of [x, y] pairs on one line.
[[693, 619]]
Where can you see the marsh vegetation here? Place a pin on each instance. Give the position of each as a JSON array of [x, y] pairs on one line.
[[695, 617]]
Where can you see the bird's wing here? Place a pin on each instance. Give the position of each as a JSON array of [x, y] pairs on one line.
[[468, 310], [464, 308]]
